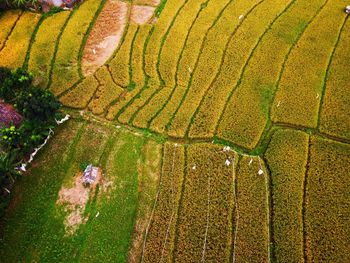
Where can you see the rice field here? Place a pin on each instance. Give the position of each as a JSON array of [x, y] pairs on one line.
[[222, 128]]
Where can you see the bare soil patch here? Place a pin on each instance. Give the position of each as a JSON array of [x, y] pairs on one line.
[[141, 14], [105, 35], [74, 201]]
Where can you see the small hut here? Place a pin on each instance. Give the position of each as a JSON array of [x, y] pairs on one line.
[[90, 175], [8, 115]]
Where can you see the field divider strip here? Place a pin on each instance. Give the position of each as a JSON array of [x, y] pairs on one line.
[[305, 247], [246, 64], [158, 69], [219, 70], [196, 64], [162, 82], [53, 60], [286, 59], [174, 203], [327, 72], [313, 131], [146, 77], [32, 39], [154, 206], [126, 29], [11, 30], [176, 72]]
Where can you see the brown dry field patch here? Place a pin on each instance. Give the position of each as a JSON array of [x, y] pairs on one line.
[[105, 36]]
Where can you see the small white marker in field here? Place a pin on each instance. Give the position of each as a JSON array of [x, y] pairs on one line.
[[227, 149], [194, 167], [94, 51], [260, 172], [189, 69], [251, 161], [278, 103], [118, 127], [227, 162], [240, 17], [98, 213]]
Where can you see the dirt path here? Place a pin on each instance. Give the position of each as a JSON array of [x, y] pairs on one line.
[[105, 36]]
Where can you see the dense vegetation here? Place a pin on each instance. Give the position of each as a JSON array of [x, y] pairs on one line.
[[39, 109]]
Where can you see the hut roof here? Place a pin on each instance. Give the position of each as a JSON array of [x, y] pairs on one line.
[[8, 115], [90, 174]]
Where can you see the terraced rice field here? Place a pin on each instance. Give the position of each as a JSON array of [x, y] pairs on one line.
[[223, 128]]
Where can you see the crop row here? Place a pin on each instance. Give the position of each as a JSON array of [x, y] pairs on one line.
[[159, 238], [302, 81], [327, 202], [176, 39], [287, 155], [138, 78], [119, 66], [151, 58], [7, 21], [106, 93], [43, 48], [204, 230], [251, 239], [65, 72], [206, 19], [158, 36], [247, 111], [334, 115], [80, 96], [169, 56], [14, 52], [208, 64], [148, 185]]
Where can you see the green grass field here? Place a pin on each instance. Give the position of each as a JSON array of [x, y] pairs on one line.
[[222, 128]]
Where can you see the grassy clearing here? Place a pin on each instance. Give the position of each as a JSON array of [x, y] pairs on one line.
[[110, 233], [14, 52], [159, 237], [328, 202], [65, 71], [334, 116], [208, 64], [43, 47], [31, 218], [106, 92], [81, 95], [287, 156], [7, 22], [243, 69], [251, 239], [302, 81], [205, 218], [120, 64], [35, 222]]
